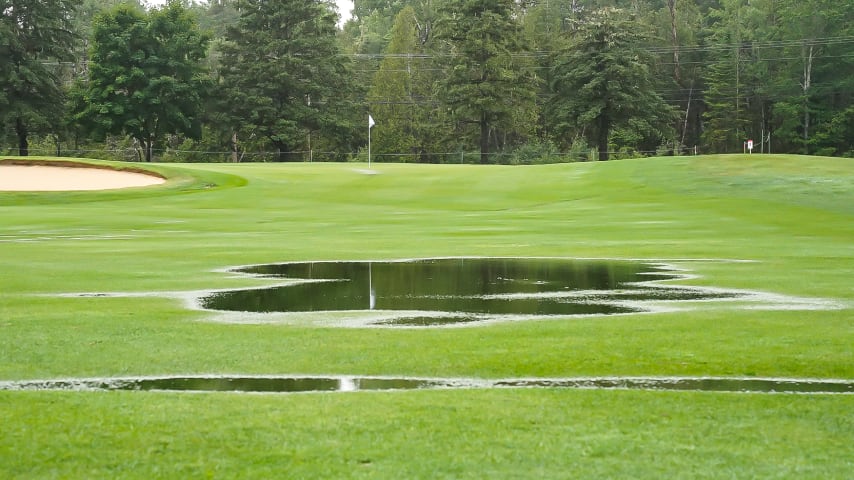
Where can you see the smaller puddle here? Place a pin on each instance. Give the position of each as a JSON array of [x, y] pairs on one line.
[[759, 385], [262, 384], [425, 321]]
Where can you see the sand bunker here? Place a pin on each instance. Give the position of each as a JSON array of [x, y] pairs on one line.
[[40, 178]]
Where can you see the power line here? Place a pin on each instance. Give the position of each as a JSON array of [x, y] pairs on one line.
[[705, 48]]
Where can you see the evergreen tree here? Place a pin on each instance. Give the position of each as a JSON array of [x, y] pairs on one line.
[[736, 78], [375, 19], [216, 16], [387, 8], [283, 76], [678, 29], [145, 78], [390, 98], [484, 85], [602, 80], [817, 80], [35, 36]]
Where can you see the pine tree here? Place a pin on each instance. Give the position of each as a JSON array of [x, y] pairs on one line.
[[815, 86], [602, 80], [35, 36], [737, 78], [282, 75], [390, 98], [486, 85]]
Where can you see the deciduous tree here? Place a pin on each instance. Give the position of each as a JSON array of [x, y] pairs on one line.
[[145, 78]]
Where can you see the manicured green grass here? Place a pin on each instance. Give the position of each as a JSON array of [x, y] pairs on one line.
[[793, 217], [440, 434]]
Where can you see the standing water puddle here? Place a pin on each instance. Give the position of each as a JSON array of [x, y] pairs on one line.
[[449, 291], [352, 384]]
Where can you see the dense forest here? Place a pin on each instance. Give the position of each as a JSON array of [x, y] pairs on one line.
[[444, 81]]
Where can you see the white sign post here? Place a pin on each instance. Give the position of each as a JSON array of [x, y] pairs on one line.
[[750, 146]]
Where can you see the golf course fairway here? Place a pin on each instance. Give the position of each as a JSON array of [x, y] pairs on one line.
[[99, 284]]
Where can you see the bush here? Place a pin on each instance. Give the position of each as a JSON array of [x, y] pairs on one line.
[[535, 152]]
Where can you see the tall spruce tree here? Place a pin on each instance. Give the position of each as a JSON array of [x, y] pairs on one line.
[[485, 85], [35, 36], [602, 80], [282, 74]]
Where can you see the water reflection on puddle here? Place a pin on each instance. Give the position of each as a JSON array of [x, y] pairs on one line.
[[264, 384], [449, 291]]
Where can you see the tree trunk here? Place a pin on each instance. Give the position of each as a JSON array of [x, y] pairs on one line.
[[23, 142], [806, 86], [484, 139], [602, 138], [138, 149], [737, 101], [234, 149], [687, 113], [671, 5], [146, 148], [283, 152]]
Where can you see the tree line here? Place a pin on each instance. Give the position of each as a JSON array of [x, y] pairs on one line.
[[487, 81]]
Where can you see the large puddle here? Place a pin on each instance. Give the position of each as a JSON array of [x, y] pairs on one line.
[[296, 384], [449, 291]]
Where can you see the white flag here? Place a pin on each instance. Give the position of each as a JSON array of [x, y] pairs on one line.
[[370, 121]]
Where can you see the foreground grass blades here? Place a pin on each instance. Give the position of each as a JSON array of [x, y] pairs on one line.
[[468, 434], [790, 216]]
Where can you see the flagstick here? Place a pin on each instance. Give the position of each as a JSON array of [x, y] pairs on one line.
[[370, 125]]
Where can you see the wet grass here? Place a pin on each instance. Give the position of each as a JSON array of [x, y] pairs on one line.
[[791, 215], [437, 434]]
